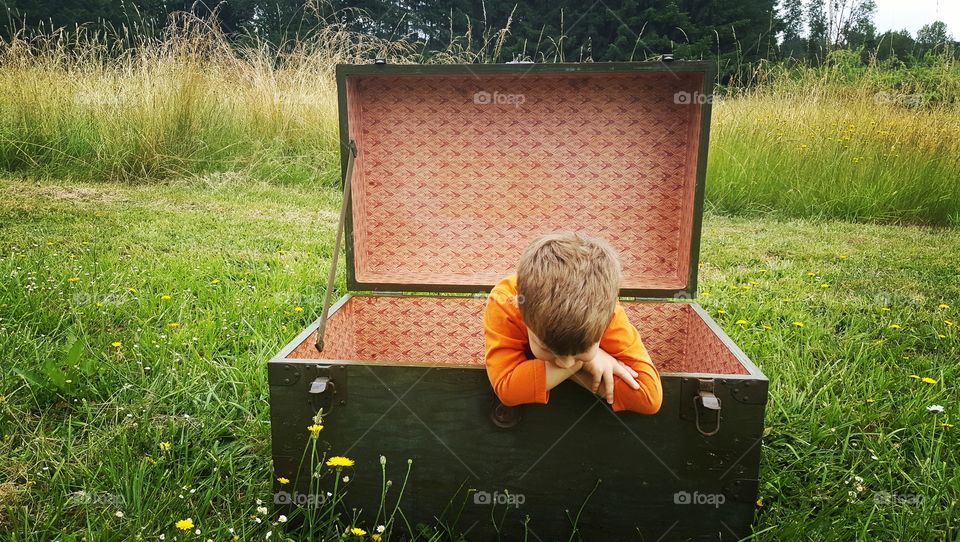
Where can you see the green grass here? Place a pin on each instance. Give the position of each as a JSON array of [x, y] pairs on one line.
[[802, 142], [237, 257]]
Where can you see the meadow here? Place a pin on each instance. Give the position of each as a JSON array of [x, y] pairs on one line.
[[166, 222]]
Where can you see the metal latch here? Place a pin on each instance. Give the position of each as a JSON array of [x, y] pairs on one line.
[[329, 387], [706, 399], [320, 384]]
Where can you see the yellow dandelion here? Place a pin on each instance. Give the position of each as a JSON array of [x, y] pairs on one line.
[[339, 461], [894, 326], [825, 285], [766, 327], [357, 531], [150, 460], [721, 311], [764, 270], [165, 446], [132, 290], [842, 257], [376, 537], [947, 425], [73, 279], [871, 400], [915, 377], [173, 325], [941, 336], [928, 380], [215, 281], [799, 324], [948, 322], [884, 309], [116, 344], [943, 306], [741, 322], [166, 297], [755, 282], [185, 524], [759, 503], [298, 309], [283, 481], [315, 428], [699, 265], [811, 274]]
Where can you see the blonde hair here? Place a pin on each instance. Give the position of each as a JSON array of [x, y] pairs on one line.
[[569, 284]]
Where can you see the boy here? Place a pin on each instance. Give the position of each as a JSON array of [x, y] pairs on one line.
[[558, 318]]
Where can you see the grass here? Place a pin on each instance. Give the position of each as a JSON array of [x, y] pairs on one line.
[[236, 257], [801, 142]]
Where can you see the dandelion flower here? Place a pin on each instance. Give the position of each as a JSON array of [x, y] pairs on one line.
[[915, 377], [166, 297], [165, 446], [298, 309], [884, 309], [928, 380], [283, 480], [73, 280], [132, 290], [948, 322], [842, 257], [116, 344], [339, 461], [935, 408], [871, 400], [766, 327], [759, 503], [173, 325], [947, 425], [741, 322], [215, 281], [799, 324], [941, 336], [357, 531], [315, 428], [721, 311], [185, 524], [825, 285], [894, 326], [943, 306], [811, 274], [376, 537]]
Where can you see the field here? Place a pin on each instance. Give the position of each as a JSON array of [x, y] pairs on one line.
[[166, 225]]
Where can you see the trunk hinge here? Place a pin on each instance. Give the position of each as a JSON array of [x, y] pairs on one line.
[[332, 277]]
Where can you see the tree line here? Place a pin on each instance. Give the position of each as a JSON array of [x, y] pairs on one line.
[[733, 32]]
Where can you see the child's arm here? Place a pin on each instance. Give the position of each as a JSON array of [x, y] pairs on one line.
[[622, 341], [515, 378]]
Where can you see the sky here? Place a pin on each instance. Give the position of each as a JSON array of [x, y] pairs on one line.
[[912, 14]]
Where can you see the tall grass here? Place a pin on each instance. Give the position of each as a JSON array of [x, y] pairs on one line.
[[841, 141], [863, 143]]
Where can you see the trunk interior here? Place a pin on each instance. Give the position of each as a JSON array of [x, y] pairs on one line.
[[447, 330]]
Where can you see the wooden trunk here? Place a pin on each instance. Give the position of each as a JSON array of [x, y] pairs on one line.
[[448, 185]]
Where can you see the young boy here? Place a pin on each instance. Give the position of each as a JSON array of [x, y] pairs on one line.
[[558, 318]]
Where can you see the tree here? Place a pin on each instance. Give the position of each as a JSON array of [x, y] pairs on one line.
[[792, 17], [817, 43], [933, 37]]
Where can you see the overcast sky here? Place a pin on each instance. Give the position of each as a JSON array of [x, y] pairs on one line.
[[912, 14]]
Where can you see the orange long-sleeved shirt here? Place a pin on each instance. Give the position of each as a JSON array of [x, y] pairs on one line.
[[517, 379]]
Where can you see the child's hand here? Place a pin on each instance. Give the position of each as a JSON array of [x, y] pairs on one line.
[[603, 368]]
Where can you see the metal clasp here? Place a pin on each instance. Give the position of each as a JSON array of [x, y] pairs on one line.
[[708, 400]]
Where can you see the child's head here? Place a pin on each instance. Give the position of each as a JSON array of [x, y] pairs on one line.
[[567, 284]]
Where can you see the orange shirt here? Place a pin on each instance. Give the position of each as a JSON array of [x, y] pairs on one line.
[[517, 379]]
